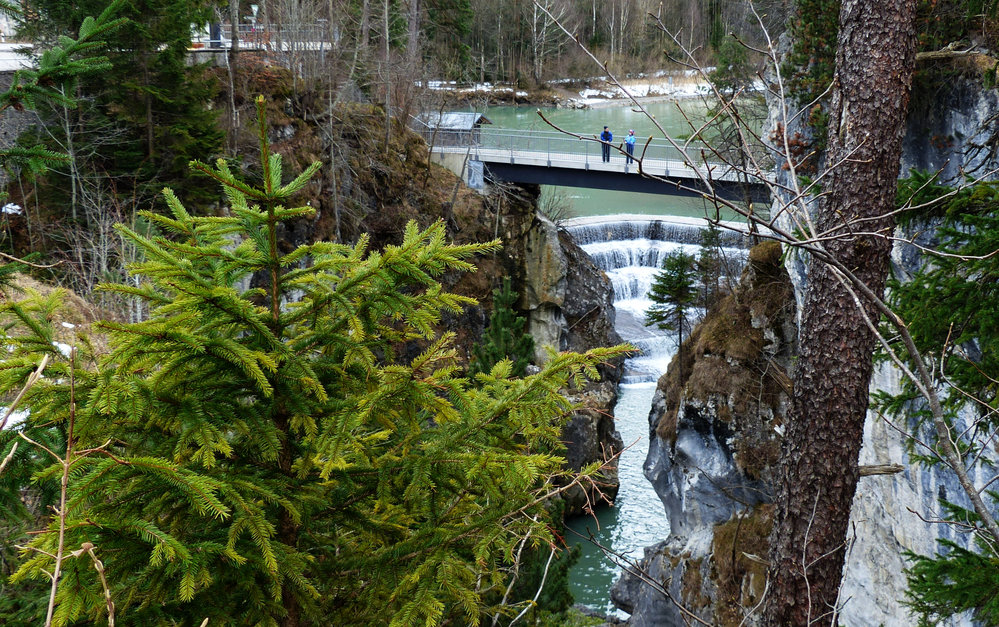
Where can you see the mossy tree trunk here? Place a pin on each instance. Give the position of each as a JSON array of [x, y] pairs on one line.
[[818, 471]]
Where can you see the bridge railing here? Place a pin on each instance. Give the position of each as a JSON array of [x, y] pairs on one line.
[[554, 146], [312, 36]]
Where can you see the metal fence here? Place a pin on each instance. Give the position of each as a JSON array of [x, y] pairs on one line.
[[554, 146], [305, 36]]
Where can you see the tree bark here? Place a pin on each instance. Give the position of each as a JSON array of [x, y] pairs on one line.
[[234, 37], [365, 19], [413, 34], [818, 473]]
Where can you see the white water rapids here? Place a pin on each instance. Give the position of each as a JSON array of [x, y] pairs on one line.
[[630, 250]]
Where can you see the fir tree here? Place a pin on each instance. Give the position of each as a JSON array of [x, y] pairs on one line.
[[709, 264], [952, 582], [69, 59], [264, 456], [673, 294], [154, 103], [504, 337], [952, 308]]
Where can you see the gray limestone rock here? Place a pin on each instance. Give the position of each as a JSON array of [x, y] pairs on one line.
[[569, 305]]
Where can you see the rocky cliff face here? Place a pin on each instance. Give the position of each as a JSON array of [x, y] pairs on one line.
[[569, 305], [951, 126], [712, 559], [714, 438]]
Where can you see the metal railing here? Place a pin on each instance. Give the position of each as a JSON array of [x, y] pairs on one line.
[[554, 147], [256, 34]]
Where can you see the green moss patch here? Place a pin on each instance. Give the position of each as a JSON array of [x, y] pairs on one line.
[[739, 548]]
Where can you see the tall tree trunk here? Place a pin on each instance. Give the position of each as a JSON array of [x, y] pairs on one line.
[[500, 39], [385, 73], [818, 471], [593, 25], [74, 174], [148, 102], [365, 17], [413, 35], [264, 21], [233, 78], [613, 31], [234, 38], [537, 39]]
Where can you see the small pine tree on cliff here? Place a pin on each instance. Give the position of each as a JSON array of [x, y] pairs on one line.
[[710, 262], [505, 337], [673, 294]]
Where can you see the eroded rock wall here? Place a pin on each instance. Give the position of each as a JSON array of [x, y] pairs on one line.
[[568, 302], [952, 127], [714, 439]]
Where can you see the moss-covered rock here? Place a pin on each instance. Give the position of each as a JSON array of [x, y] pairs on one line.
[[714, 446], [735, 368]]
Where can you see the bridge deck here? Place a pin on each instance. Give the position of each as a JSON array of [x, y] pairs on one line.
[[618, 162], [553, 158]]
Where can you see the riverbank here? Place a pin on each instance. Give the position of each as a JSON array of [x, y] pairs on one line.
[[589, 93]]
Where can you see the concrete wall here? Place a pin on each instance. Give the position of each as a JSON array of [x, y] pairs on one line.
[[470, 171]]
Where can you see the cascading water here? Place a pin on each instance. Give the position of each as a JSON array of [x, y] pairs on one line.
[[630, 250]]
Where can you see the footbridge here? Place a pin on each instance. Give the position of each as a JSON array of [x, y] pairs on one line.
[[554, 158]]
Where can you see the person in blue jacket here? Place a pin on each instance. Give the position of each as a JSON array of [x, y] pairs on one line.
[[606, 137], [629, 143]]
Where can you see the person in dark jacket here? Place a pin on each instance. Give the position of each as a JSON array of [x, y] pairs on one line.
[[606, 137]]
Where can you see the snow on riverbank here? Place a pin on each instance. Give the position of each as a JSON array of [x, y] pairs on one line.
[[659, 85], [598, 91], [477, 88]]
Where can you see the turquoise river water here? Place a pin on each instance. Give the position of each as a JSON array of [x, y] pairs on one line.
[[637, 518], [620, 119]]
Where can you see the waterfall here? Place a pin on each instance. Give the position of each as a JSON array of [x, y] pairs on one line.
[[630, 249], [674, 229]]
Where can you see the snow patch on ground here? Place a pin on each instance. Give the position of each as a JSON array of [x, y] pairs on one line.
[[670, 84], [647, 89], [16, 417], [470, 89]]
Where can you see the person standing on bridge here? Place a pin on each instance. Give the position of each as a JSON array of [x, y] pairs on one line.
[[629, 143], [606, 137]]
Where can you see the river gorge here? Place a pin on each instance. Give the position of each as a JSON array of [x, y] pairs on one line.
[[626, 236]]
